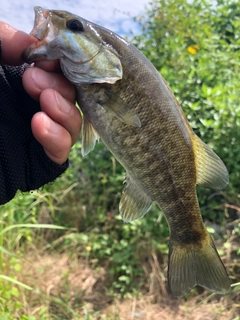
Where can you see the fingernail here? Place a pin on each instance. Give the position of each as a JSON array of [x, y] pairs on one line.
[[42, 79], [50, 125], [63, 104]]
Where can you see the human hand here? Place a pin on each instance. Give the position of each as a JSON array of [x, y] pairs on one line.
[[38, 125], [56, 127]]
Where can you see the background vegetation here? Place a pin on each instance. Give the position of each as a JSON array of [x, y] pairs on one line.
[[84, 271]]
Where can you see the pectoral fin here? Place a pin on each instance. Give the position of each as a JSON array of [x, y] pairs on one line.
[[117, 106], [89, 137], [211, 171], [134, 203]]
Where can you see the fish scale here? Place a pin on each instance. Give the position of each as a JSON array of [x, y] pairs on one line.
[[126, 102]]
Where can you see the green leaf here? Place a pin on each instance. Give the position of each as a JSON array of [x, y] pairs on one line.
[[3, 250], [34, 226], [15, 282], [15, 292]]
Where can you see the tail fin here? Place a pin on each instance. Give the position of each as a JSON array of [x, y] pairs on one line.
[[194, 264]]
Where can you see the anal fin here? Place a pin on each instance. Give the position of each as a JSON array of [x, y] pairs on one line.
[[134, 203]]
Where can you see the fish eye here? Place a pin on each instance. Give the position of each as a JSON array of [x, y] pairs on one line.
[[75, 25]]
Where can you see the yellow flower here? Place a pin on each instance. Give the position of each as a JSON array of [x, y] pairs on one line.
[[193, 49]]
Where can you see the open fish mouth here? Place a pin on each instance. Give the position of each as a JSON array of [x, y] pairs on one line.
[[41, 23], [45, 31]]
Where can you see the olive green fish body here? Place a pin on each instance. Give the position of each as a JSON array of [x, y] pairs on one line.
[[159, 154], [130, 107]]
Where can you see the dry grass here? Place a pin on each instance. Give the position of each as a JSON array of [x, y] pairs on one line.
[[71, 287], [69, 281], [176, 310]]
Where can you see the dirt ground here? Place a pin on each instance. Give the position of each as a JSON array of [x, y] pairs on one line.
[[70, 286]]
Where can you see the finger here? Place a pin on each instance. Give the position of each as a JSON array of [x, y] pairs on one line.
[[61, 111], [14, 42], [35, 80], [55, 139]]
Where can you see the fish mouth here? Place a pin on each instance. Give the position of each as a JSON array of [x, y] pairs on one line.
[[41, 23], [44, 31]]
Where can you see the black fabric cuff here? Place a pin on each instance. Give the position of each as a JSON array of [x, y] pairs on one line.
[[23, 163]]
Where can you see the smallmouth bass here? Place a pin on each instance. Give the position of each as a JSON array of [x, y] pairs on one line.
[[127, 103]]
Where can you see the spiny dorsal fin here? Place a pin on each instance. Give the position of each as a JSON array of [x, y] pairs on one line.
[[190, 265], [119, 108], [211, 171], [89, 137], [134, 203]]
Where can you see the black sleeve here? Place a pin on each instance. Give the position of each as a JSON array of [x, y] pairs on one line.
[[23, 163]]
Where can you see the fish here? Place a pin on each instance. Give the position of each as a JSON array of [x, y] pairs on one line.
[[127, 104]]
